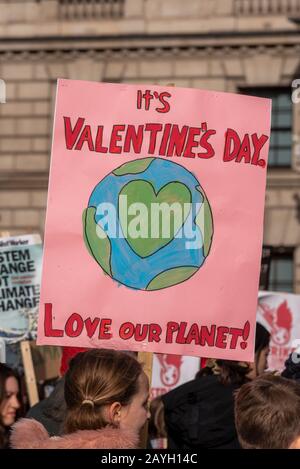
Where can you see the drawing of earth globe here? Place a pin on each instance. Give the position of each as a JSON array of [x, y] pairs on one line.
[[149, 224]]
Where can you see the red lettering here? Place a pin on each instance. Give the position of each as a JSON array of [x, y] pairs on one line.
[[99, 137], [191, 143], [48, 329], [71, 135], [91, 326], [139, 99], [74, 325], [245, 150], [258, 144], [166, 105], [210, 152], [141, 331], [126, 330], [231, 137], [180, 339], [147, 97], [154, 333], [104, 331], [153, 129], [171, 328], [235, 334], [208, 336], [164, 140], [86, 136], [177, 140], [193, 335], [221, 337], [246, 332], [113, 147], [135, 138]]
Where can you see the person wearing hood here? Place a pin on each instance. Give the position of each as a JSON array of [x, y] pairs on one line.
[[106, 394], [51, 411], [200, 414]]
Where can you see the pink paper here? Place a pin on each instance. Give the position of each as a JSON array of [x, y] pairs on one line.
[[211, 311]]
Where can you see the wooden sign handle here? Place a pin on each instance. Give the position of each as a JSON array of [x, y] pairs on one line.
[[29, 373], [146, 358]]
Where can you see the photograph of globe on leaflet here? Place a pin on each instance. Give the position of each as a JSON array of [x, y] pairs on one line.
[[155, 194]]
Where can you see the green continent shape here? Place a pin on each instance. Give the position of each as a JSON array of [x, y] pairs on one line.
[[171, 277], [96, 240], [140, 191], [133, 167], [204, 220]]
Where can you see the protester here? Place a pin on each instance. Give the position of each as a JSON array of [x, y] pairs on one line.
[[51, 412], [200, 413], [157, 429], [106, 394], [292, 367], [9, 402], [262, 350], [267, 413]]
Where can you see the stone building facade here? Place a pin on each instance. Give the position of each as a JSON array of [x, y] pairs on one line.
[[249, 46]]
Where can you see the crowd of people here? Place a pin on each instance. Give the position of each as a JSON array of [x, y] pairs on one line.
[[102, 401]]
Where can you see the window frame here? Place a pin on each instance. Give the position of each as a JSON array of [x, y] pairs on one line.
[[271, 92], [282, 253]]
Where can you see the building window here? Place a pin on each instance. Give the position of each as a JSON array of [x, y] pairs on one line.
[[281, 131], [281, 270], [90, 9]]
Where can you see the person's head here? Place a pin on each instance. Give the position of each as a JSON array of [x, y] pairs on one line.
[[105, 387], [238, 372], [9, 401], [262, 349], [9, 390], [267, 413], [157, 426], [229, 372]]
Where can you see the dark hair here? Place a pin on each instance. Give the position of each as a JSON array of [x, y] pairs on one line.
[[94, 379], [157, 425], [262, 338], [267, 412], [234, 372], [5, 373], [262, 341], [228, 371]]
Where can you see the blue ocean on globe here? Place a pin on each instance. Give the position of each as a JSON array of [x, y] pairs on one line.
[[171, 264]]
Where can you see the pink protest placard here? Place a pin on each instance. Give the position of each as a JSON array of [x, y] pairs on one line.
[[154, 220]]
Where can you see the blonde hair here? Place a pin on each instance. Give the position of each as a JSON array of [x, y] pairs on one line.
[[95, 379], [157, 425]]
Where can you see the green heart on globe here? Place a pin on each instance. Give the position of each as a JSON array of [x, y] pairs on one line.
[[150, 220]]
